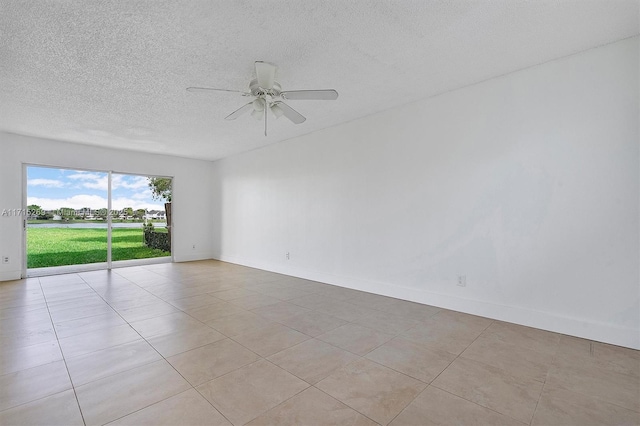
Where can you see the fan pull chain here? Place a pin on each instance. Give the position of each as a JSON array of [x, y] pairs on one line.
[[266, 110]]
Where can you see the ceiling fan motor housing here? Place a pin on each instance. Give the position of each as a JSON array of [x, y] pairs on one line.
[[256, 90]]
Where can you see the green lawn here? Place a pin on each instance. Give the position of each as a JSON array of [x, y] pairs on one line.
[[76, 246]]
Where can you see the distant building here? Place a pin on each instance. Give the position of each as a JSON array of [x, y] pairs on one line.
[[155, 215]]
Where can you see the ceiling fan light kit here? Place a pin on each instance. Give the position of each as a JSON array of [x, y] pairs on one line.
[[269, 95], [257, 114], [276, 110]]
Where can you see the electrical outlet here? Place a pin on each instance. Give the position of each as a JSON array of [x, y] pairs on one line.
[[5, 259], [462, 280], [287, 256]]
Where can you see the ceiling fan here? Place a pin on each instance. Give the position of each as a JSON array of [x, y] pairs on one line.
[[268, 95]]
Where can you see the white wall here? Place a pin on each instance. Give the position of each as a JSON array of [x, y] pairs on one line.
[[527, 184], [191, 203]]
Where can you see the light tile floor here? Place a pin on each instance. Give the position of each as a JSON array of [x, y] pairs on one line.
[[216, 343]]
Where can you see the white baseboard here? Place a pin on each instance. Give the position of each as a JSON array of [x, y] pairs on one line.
[[549, 321], [189, 257], [10, 275]]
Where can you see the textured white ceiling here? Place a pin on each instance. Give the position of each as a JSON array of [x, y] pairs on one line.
[[114, 73]]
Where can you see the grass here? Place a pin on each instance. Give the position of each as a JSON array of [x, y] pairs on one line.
[[77, 246]]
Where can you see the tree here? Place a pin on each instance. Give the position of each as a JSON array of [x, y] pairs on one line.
[[161, 189], [34, 210], [102, 213], [67, 212], [139, 214], [128, 211]]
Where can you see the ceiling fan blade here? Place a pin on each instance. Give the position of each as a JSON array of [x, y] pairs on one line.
[[320, 95], [237, 113], [210, 89], [291, 113], [266, 74]]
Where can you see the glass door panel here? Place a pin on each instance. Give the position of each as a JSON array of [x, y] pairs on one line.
[[66, 217], [139, 222]]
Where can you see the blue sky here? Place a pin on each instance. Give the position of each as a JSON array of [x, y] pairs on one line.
[[55, 188]]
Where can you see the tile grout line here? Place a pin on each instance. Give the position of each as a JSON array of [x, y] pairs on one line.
[[288, 301], [404, 374], [192, 386], [294, 375], [544, 383], [360, 357], [64, 359], [272, 363], [438, 375], [480, 362], [533, 415], [481, 406], [430, 384], [292, 396], [162, 356], [577, 391], [315, 337], [395, 336], [460, 354], [345, 404], [143, 338]]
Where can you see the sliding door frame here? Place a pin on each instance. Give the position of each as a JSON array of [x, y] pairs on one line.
[[88, 266]]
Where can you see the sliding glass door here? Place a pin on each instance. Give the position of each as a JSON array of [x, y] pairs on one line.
[[78, 219]]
